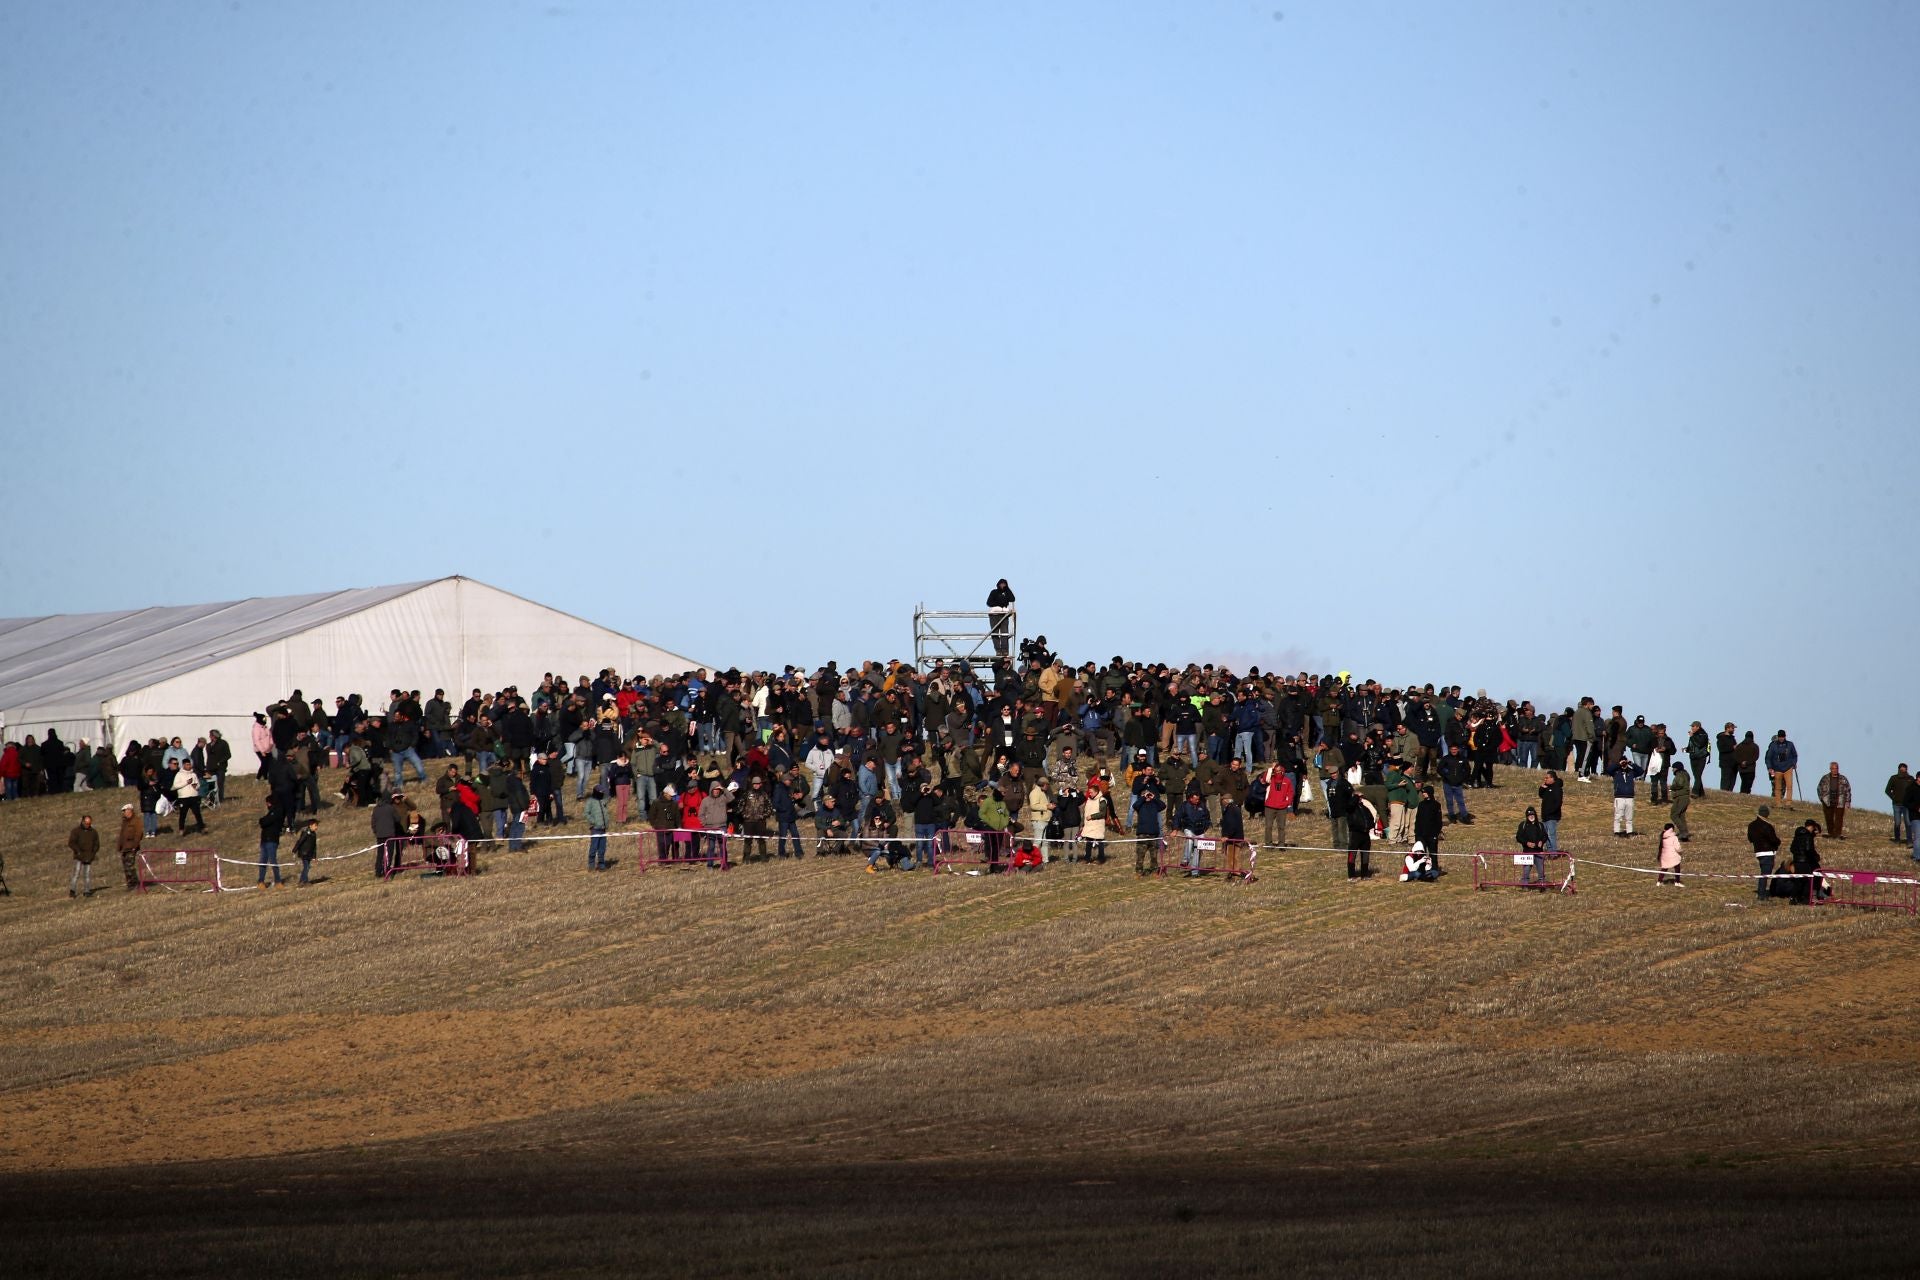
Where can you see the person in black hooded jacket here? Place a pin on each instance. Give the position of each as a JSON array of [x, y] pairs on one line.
[[1428, 822], [1806, 861], [1531, 836]]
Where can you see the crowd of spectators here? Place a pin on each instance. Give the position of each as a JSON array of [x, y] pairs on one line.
[[1045, 759]]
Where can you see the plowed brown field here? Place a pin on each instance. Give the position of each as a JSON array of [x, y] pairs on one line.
[[802, 1067]]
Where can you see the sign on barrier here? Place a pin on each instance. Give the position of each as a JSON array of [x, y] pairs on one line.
[[957, 847], [1494, 869], [446, 854], [1209, 855], [1874, 890], [178, 869], [682, 848]]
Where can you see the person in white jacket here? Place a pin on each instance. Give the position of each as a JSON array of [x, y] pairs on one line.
[[186, 797], [819, 758]]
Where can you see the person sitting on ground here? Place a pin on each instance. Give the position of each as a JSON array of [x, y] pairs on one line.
[[882, 828], [1418, 864], [1026, 857]]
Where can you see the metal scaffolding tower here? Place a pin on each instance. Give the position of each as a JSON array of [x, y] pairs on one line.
[[962, 637]]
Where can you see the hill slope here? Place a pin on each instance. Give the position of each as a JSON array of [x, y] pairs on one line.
[[781, 1021]]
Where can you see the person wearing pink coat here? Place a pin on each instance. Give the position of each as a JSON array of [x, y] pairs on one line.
[[1669, 855]]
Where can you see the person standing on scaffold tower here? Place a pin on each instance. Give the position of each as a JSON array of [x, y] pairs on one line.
[[999, 603]]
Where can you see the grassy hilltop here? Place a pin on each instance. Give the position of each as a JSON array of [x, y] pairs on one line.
[[796, 1068]]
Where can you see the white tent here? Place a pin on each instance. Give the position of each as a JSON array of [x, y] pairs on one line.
[[182, 670]]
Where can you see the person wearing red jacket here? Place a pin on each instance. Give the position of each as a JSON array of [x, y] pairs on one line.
[[690, 801], [1276, 804], [10, 770]]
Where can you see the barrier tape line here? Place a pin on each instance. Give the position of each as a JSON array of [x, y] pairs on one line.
[[642, 832]]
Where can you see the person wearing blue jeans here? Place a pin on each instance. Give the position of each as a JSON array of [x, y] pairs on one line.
[[272, 825], [1243, 747], [1552, 793], [924, 834], [1188, 743], [1453, 781], [399, 759], [596, 816]]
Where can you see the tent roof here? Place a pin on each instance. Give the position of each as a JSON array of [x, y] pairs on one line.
[[86, 658]]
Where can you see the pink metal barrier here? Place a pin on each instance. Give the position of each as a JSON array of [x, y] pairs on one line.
[[957, 847], [184, 868], [682, 847], [446, 854], [1218, 856], [1875, 890], [1493, 869]]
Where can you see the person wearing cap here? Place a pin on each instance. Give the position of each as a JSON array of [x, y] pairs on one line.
[[131, 835], [1623, 772], [1727, 744], [1766, 846], [1782, 759], [1699, 751]]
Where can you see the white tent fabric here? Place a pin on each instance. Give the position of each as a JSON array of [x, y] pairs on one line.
[[183, 670]]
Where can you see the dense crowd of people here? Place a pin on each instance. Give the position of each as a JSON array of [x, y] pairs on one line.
[[1043, 759]]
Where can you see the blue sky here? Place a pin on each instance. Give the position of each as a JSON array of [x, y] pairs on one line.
[[1557, 349]]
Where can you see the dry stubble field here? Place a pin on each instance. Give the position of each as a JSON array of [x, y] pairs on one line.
[[804, 1068]]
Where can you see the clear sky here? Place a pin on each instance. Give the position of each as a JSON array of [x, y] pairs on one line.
[[1551, 348]]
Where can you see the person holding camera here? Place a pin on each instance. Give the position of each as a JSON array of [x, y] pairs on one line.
[[1000, 605]]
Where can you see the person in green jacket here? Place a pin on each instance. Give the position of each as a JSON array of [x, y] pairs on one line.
[[995, 818], [1681, 797], [1699, 748], [1402, 795], [1896, 792]]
